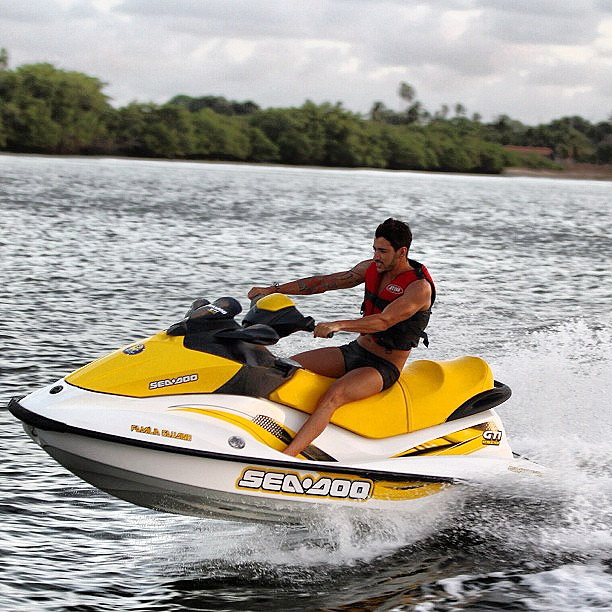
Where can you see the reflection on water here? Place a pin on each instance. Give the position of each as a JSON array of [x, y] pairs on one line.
[[99, 252]]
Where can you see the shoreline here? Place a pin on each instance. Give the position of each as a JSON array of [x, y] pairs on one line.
[[570, 170]]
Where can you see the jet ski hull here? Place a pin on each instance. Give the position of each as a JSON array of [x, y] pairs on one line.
[[171, 477], [203, 493]]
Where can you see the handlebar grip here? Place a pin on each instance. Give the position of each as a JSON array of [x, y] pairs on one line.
[[256, 298]]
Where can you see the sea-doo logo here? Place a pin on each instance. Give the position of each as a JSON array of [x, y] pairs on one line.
[[395, 289], [491, 437], [168, 382], [290, 483]]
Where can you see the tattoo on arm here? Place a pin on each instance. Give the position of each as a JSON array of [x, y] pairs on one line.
[[307, 286], [312, 285], [339, 280]]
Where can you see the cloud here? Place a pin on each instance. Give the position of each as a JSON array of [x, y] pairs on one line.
[[34, 12], [532, 60]]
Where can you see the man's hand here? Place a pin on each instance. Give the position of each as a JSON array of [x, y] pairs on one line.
[[327, 330], [260, 291]]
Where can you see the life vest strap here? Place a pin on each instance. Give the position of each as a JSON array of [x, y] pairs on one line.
[[375, 300]]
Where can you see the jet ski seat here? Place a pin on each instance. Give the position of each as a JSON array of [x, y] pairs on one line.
[[427, 393]]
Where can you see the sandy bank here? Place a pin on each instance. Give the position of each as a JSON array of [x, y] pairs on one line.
[[570, 171]]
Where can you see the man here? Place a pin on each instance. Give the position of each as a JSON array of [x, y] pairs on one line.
[[399, 293]]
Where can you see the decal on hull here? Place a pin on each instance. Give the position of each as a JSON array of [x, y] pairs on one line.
[[462, 442], [291, 483], [168, 382], [164, 433]]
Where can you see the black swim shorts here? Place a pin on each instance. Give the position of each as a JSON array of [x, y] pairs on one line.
[[355, 356]]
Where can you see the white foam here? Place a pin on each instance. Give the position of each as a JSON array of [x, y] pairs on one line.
[[570, 587], [558, 416], [336, 537]]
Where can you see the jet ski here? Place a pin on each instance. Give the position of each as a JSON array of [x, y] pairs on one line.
[[193, 420]]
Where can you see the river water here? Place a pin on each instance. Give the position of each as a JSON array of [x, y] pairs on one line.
[[98, 252]]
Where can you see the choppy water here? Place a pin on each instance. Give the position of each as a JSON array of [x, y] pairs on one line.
[[95, 253]]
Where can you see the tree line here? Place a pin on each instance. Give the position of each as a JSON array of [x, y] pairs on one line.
[[44, 109]]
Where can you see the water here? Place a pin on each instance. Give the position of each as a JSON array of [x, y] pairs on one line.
[[98, 252]]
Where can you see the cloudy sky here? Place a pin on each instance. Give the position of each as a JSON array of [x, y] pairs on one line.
[[535, 60]]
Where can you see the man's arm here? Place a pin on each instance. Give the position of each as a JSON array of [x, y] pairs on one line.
[[317, 284], [416, 297]]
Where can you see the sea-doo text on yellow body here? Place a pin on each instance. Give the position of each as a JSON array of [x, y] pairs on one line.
[[193, 420]]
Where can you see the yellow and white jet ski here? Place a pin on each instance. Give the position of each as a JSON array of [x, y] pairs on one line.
[[192, 421]]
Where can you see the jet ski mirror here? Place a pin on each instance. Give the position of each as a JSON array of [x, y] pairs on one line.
[[202, 312], [278, 312], [195, 305], [223, 308]]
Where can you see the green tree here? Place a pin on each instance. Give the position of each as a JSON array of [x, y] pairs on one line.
[[409, 150], [221, 137], [350, 141], [506, 130], [493, 158], [149, 130], [460, 110], [298, 133], [2, 129], [406, 92], [128, 127], [169, 132], [262, 148], [603, 151], [55, 111], [379, 112], [219, 104]]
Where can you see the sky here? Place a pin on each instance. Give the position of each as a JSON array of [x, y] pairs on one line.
[[534, 60]]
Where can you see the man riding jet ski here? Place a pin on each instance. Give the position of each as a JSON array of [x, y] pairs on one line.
[[201, 418], [399, 294], [194, 420]]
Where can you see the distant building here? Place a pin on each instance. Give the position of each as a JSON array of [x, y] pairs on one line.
[[544, 151]]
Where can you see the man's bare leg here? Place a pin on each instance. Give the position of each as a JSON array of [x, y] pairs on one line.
[[327, 361], [354, 385]]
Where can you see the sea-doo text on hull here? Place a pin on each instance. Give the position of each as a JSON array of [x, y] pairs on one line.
[[192, 420]]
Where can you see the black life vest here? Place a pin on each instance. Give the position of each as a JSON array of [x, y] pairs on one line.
[[404, 335]]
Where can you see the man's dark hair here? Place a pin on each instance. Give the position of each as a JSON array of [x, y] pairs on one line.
[[396, 232]]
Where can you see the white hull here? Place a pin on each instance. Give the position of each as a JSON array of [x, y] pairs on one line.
[[173, 454]]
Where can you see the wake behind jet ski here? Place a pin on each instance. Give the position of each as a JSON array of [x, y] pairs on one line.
[[193, 420]]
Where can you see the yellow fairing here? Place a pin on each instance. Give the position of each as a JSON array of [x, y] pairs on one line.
[[163, 367], [426, 394]]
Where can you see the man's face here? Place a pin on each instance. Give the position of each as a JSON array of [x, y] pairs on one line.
[[385, 256]]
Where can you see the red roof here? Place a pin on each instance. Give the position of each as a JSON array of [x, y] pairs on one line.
[[545, 151]]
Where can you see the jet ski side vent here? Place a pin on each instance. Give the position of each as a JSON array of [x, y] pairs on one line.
[[271, 426], [482, 401], [311, 452]]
